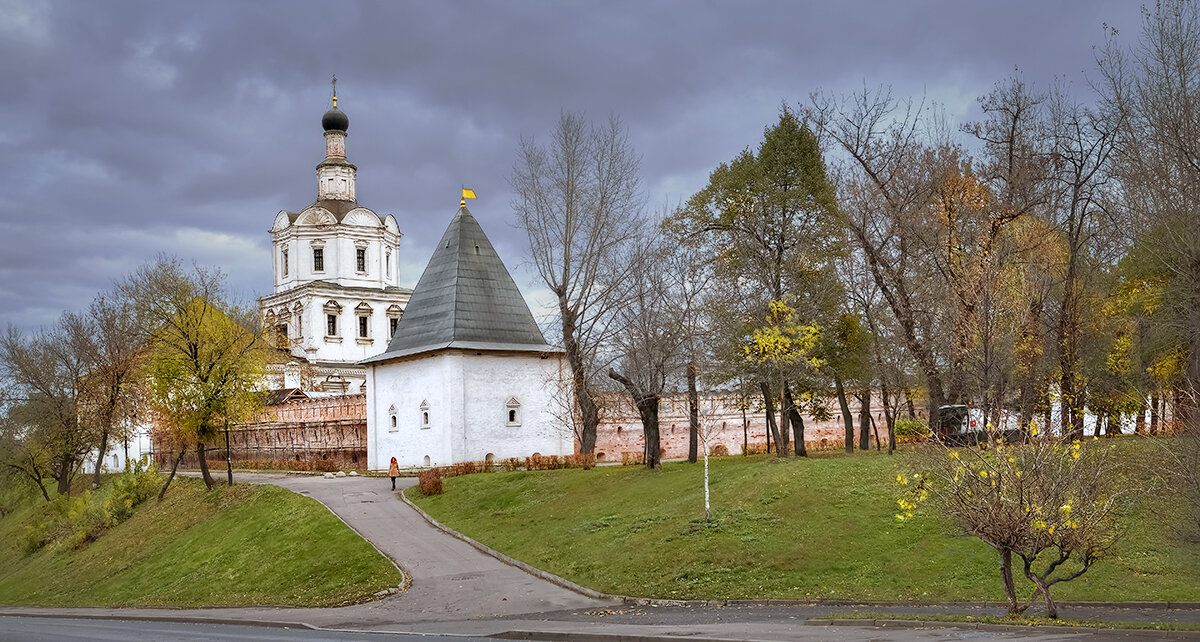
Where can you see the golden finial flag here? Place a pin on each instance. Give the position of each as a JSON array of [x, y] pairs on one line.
[[466, 193]]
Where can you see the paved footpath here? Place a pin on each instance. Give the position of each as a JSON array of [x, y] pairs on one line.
[[457, 589]]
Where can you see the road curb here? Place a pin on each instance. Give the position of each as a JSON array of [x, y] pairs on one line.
[[568, 636], [536, 572], [900, 623], [182, 619]]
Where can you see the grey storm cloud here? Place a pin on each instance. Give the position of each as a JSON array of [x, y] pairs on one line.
[[130, 128]]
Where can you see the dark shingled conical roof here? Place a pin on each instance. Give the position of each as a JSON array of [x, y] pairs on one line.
[[465, 299]]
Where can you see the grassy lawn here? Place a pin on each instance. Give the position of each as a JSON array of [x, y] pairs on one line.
[[236, 546], [824, 527]]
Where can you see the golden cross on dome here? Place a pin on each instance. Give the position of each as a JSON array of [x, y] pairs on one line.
[[334, 83]]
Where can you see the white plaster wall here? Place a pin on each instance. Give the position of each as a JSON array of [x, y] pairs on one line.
[[467, 395], [405, 384], [490, 380], [341, 262]]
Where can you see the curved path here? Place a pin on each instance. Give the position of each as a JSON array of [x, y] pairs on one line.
[[450, 580]]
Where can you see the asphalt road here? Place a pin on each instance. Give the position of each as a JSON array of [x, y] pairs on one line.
[[29, 629]]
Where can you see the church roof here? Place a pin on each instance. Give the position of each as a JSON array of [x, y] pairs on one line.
[[338, 208], [465, 299]]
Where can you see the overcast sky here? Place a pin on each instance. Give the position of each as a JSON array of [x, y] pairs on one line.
[[130, 128]]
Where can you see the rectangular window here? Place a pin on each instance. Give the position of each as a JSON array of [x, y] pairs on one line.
[[281, 336], [285, 263], [318, 259], [362, 327], [361, 259], [392, 323], [388, 271], [331, 325]]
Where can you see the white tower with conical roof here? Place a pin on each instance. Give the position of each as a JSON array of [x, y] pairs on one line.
[[468, 376]]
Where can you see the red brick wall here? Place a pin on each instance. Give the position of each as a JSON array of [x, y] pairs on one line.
[[620, 430]]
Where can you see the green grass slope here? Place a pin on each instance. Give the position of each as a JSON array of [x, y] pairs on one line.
[[818, 528], [245, 545]]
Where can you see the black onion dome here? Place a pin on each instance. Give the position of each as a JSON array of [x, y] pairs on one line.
[[335, 119]]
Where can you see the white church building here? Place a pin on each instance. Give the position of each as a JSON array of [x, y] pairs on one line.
[[453, 370], [337, 298], [468, 376]]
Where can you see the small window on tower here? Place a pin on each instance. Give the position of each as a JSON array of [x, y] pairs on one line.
[[318, 259], [285, 263], [281, 336], [392, 323], [362, 327], [513, 408], [361, 259], [331, 325]]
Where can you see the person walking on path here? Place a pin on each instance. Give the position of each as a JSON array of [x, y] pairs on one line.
[[394, 472]]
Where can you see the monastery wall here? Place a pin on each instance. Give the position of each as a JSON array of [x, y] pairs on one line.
[[324, 433], [620, 432]]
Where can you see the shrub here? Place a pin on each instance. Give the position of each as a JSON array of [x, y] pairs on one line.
[[910, 430], [131, 488], [632, 459], [719, 450], [510, 464], [430, 481], [755, 449]]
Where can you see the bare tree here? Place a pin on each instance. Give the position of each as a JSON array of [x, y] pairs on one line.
[[115, 351], [45, 373], [578, 199], [654, 329]]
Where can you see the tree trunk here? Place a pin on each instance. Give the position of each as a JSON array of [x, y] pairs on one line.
[[1139, 426], [100, 452], [864, 420], [693, 413], [1154, 413], [772, 428], [1006, 578], [745, 433], [589, 411], [797, 421], [65, 473], [174, 467], [888, 419], [847, 419], [781, 447], [647, 405], [201, 455]]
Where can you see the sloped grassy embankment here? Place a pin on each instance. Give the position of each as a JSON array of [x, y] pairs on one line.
[[822, 527], [236, 546]]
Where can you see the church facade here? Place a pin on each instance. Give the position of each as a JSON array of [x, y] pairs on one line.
[[337, 298]]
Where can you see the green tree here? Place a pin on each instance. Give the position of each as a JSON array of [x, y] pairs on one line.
[[769, 220], [207, 357]]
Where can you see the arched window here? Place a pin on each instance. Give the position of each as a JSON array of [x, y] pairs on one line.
[[424, 414], [513, 411], [427, 460], [392, 426]]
